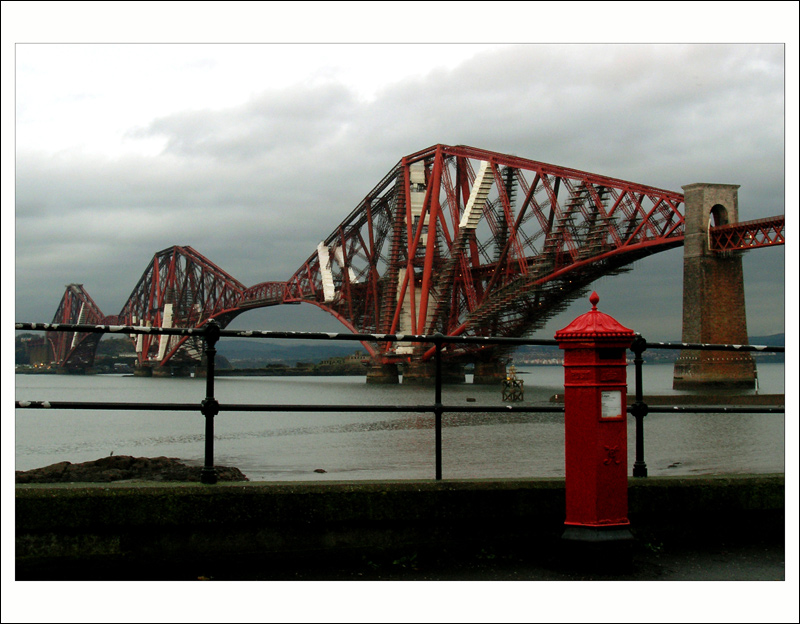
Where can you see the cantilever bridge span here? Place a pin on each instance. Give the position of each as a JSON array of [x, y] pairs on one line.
[[453, 239]]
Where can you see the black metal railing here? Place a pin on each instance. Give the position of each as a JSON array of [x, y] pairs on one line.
[[210, 407], [639, 409]]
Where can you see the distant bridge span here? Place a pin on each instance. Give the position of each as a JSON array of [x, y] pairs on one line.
[[453, 239]]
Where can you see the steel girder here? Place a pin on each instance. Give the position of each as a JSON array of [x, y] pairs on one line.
[[180, 288], [460, 240], [263, 295], [747, 234], [351, 273], [75, 350]]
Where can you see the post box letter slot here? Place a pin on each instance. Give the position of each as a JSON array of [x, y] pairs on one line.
[[611, 354], [611, 404]]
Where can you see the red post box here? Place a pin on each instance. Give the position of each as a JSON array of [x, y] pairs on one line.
[[595, 421]]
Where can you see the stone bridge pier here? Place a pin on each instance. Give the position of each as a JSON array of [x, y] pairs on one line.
[[713, 295]]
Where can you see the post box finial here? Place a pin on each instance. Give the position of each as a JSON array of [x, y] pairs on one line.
[[595, 325]]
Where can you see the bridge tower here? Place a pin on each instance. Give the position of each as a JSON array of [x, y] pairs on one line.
[[713, 294]]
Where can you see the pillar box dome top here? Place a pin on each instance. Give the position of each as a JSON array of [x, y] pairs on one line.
[[595, 325]]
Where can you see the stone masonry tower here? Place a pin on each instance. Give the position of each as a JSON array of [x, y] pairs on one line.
[[713, 295]]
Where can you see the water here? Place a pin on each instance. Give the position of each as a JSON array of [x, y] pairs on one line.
[[285, 446]]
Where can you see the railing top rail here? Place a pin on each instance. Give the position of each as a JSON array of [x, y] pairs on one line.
[[713, 347], [361, 408], [252, 333], [294, 335], [287, 407]]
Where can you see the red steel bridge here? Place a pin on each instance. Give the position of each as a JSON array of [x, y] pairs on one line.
[[453, 239]]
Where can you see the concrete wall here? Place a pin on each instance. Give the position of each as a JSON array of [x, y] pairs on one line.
[[145, 530]]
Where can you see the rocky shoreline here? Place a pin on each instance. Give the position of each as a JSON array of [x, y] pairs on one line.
[[123, 468]]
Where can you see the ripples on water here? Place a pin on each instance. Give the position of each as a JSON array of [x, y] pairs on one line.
[[355, 445]]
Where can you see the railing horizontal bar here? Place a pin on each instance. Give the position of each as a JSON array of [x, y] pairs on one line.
[[111, 329], [231, 333], [463, 409], [101, 405], [389, 338], [388, 408], [229, 407], [323, 408], [714, 409], [713, 347]]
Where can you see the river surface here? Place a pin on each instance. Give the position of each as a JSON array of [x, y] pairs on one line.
[[286, 446]]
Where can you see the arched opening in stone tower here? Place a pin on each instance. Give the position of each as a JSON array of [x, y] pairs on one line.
[[720, 215]]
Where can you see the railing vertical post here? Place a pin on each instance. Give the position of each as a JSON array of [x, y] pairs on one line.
[[639, 407], [437, 408], [210, 405]]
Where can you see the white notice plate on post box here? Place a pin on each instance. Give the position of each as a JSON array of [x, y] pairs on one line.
[[611, 404]]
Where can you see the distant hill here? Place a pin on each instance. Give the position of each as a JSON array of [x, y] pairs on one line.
[[256, 352], [775, 340]]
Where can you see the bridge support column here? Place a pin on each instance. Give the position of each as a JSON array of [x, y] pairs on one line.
[[489, 373], [713, 295], [142, 371], [63, 370], [383, 374], [424, 373]]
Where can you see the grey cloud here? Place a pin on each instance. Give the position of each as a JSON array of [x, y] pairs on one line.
[[612, 113], [275, 121]]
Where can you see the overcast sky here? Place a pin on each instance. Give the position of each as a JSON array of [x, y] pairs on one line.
[[252, 154]]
